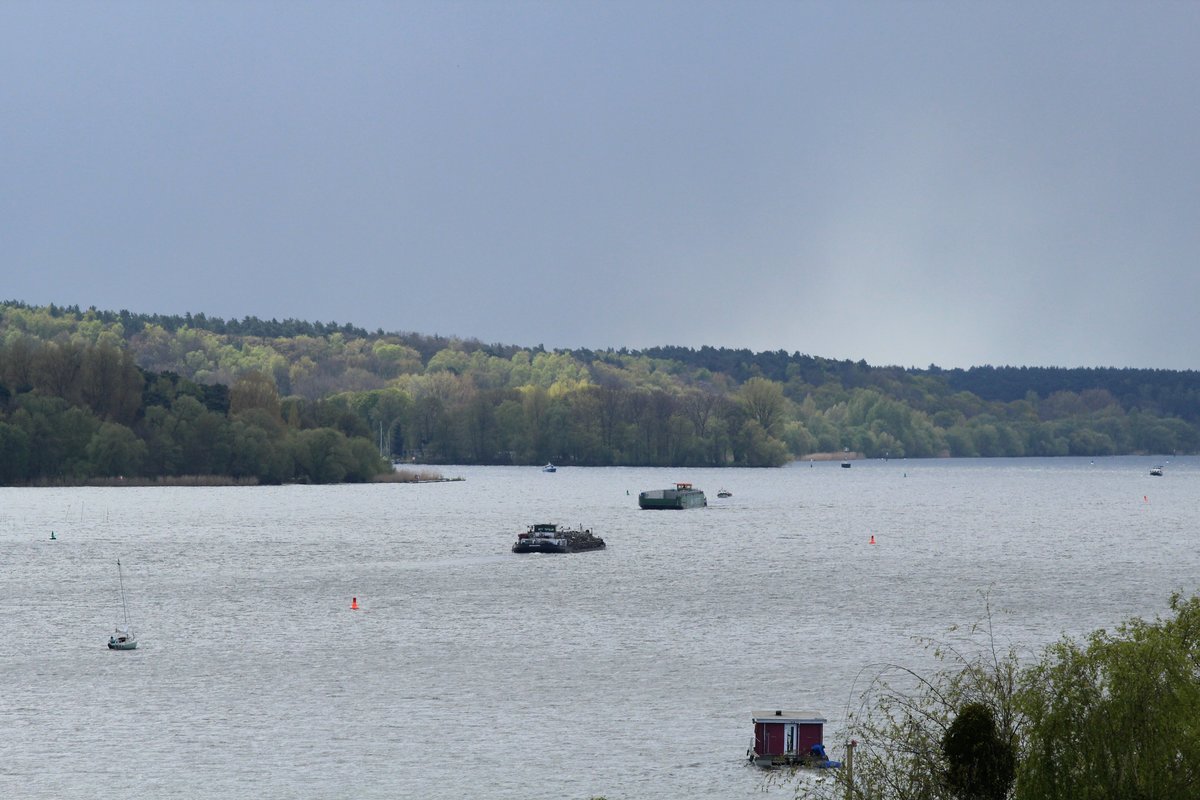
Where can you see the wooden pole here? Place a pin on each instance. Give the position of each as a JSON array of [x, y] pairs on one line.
[[850, 769]]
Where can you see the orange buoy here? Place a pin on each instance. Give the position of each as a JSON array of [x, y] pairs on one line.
[[354, 604], [872, 539]]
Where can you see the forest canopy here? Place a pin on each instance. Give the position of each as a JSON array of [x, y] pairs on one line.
[[85, 392]]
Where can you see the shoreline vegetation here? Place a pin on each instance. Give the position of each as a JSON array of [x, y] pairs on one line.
[[92, 397], [399, 476], [831, 457], [990, 721]]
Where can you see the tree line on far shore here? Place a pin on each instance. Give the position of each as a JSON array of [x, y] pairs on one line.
[[93, 393], [73, 412]]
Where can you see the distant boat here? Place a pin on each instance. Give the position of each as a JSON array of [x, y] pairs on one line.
[[549, 468], [845, 465], [724, 493], [123, 638], [1156, 471]]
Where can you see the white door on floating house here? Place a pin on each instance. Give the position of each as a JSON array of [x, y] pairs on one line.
[[791, 731]]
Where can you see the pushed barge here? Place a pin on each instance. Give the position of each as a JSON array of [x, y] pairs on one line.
[[549, 538], [682, 496]]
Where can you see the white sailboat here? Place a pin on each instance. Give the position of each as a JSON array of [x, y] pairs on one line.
[[123, 638]]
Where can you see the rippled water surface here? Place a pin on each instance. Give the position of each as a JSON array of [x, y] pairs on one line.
[[471, 672]]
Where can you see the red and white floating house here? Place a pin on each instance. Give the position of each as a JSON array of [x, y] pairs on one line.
[[788, 738]]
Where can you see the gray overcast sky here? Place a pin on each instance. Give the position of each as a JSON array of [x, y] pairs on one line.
[[955, 183]]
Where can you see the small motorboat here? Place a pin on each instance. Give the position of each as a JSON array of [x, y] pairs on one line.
[[549, 468], [724, 493], [1156, 471]]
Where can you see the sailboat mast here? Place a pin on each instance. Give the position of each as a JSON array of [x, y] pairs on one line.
[[121, 578]]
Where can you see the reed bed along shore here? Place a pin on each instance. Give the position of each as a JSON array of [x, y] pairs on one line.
[[398, 476]]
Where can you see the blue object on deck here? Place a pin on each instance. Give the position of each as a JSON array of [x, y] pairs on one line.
[[821, 760]]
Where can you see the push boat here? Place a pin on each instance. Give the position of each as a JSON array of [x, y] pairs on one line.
[[682, 496], [546, 537]]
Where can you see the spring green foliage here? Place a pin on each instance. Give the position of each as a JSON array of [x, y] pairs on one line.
[[454, 401], [1114, 716], [73, 409], [919, 734]]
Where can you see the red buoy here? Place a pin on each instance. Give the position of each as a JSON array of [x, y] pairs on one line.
[[872, 539], [354, 604]]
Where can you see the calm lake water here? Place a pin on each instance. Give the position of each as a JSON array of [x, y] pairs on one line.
[[471, 672]]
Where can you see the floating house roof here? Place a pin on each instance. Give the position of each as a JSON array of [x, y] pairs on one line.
[[803, 717]]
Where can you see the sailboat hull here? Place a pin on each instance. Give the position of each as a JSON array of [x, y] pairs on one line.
[[123, 637]]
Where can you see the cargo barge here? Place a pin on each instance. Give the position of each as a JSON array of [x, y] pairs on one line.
[[682, 496], [547, 537]]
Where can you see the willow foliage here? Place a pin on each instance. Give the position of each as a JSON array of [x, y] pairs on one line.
[[1113, 716], [1117, 715], [906, 717]]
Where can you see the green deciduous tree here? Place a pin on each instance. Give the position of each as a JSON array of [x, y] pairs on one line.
[[765, 403], [114, 450], [14, 454], [110, 383], [254, 390], [757, 448], [1116, 715], [322, 455], [912, 726], [1113, 716]]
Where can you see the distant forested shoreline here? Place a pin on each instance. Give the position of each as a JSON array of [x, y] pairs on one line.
[[89, 394]]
